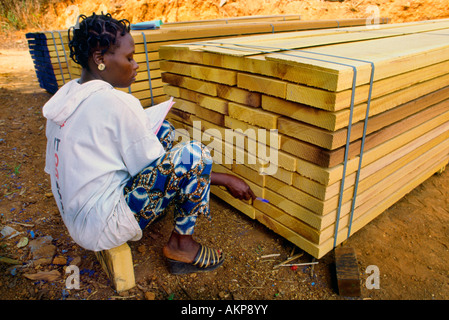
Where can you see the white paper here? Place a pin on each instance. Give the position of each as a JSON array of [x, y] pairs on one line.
[[157, 114]]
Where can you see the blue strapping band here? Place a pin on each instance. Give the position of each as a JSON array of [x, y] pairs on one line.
[[65, 55], [57, 55], [148, 68]]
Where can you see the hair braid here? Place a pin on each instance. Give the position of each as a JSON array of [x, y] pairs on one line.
[[97, 32]]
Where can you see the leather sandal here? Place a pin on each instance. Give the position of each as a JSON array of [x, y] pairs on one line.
[[206, 259]]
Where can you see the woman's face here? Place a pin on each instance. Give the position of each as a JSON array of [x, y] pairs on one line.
[[121, 68]]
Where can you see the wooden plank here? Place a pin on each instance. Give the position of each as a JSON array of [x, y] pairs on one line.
[[371, 173], [190, 83], [288, 234], [334, 139], [383, 52], [376, 195], [347, 272], [262, 84], [254, 116], [296, 209], [331, 175], [320, 37], [209, 115], [336, 75], [334, 101], [283, 17], [222, 76], [334, 121], [326, 158], [212, 103], [382, 206], [239, 29], [239, 95], [118, 265], [319, 251], [365, 199], [372, 195]]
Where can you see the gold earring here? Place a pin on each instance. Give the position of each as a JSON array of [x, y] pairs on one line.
[[101, 66]]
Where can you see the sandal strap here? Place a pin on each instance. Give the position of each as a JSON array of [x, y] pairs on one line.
[[206, 257]]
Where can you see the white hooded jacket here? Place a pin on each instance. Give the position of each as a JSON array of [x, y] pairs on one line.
[[97, 138]]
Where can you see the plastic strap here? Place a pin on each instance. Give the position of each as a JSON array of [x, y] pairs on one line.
[[57, 55], [148, 68], [65, 55]]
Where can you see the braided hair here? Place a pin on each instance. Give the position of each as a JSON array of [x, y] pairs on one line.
[[97, 32]]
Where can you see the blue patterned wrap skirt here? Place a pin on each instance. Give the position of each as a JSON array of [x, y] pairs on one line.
[[180, 177]]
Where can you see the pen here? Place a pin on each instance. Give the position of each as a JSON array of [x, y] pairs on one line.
[[262, 199]]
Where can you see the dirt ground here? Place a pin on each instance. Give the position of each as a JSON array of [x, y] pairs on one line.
[[408, 243]]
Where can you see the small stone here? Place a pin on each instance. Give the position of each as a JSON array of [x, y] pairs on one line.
[[44, 275], [42, 250], [44, 255], [35, 244], [142, 248], [22, 242], [60, 260], [150, 295]]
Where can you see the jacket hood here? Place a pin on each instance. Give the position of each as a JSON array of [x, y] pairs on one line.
[[65, 101]]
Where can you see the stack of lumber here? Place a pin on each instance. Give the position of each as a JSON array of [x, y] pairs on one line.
[[148, 87], [361, 115], [49, 58]]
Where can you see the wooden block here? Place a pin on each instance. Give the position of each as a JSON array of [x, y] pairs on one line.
[[239, 95], [213, 103], [223, 76], [254, 116], [176, 67], [347, 271], [265, 85], [118, 265], [190, 83], [209, 115], [294, 224]]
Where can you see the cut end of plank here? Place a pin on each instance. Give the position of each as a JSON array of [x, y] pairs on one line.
[[347, 271], [118, 265]]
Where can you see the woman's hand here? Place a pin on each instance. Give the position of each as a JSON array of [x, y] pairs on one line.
[[237, 187]]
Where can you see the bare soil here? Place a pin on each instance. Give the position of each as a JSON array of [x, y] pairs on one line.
[[408, 243]]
